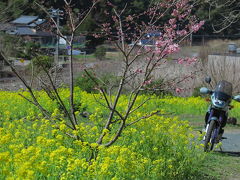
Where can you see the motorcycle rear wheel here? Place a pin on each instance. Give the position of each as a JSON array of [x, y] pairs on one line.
[[209, 138]]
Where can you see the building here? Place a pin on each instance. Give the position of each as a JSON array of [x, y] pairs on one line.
[[149, 39], [33, 28], [29, 28]]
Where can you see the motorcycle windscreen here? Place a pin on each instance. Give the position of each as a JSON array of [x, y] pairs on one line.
[[223, 90]]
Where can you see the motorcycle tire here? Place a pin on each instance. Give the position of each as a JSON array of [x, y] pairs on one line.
[[209, 138]]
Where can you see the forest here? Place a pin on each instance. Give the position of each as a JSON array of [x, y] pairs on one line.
[[213, 12]]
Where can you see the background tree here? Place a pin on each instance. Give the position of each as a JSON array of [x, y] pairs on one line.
[[221, 16], [11, 9], [12, 46]]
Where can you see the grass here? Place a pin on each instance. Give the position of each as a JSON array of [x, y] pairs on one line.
[[84, 56], [113, 55], [218, 165], [91, 57], [221, 166]]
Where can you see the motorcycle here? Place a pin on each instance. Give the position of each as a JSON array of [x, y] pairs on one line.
[[217, 114]]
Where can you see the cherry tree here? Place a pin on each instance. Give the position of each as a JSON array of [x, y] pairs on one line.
[[172, 20]]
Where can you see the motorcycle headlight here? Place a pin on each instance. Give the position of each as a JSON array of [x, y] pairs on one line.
[[218, 103]]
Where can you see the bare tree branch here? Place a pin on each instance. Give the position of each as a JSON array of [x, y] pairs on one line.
[[44, 111], [144, 117]]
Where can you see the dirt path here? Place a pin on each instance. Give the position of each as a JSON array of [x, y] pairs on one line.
[[232, 143], [225, 162]]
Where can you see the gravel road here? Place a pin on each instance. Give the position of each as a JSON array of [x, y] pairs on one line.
[[231, 145]]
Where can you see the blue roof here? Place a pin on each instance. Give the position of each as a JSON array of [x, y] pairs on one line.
[[153, 34], [37, 22], [23, 31], [148, 42], [25, 19]]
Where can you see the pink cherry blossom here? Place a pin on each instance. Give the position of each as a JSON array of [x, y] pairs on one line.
[[139, 71], [171, 49], [196, 27], [147, 82], [187, 60], [178, 90], [182, 32], [172, 21], [129, 18], [191, 60], [181, 4], [180, 61], [175, 13]]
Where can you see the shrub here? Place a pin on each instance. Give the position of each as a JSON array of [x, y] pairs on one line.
[[100, 52], [87, 84], [31, 49], [156, 87], [109, 80], [196, 92], [43, 62]]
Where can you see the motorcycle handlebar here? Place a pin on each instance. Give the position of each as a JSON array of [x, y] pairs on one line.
[[236, 98], [205, 90]]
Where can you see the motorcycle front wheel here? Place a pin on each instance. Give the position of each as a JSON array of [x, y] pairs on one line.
[[209, 137]]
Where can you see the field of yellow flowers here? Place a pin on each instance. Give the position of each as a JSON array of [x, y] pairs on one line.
[[159, 147]]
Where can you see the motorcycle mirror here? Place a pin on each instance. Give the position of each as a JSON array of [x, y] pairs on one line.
[[208, 80], [204, 90], [237, 98]]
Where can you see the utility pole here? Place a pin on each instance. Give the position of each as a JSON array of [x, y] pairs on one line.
[[191, 39], [56, 13]]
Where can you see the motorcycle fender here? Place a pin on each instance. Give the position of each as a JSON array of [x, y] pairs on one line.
[[212, 119]]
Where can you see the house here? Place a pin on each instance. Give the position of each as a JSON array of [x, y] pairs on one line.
[[25, 21], [149, 39], [30, 29], [5, 26], [33, 28]]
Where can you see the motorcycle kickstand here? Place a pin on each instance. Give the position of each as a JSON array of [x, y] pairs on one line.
[[221, 149]]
